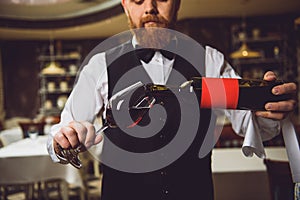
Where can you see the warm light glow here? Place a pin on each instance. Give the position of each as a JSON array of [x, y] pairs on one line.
[[53, 68], [245, 52], [297, 21]]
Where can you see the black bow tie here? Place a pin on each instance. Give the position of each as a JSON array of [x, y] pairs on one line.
[[146, 54]]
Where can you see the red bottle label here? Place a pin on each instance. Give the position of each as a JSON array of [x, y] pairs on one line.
[[220, 93]]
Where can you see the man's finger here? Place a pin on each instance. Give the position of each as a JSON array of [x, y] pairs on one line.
[[98, 139], [284, 106], [66, 137], [271, 115], [80, 129], [90, 134], [71, 135], [286, 88], [270, 76]]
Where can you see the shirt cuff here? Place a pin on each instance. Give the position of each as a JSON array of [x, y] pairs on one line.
[[54, 156]]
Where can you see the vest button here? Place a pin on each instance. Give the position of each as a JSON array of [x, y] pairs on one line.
[[162, 136], [163, 173], [165, 192]]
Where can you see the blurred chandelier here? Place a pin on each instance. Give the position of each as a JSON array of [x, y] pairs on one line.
[[245, 52], [52, 67], [34, 2]]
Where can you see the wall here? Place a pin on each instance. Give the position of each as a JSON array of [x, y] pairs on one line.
[[20, 71], [20, 78], [214, 32]]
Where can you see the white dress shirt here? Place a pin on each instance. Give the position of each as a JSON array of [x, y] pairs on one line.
[[90, 94]]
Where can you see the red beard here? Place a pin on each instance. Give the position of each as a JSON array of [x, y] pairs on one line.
[[152, 37]]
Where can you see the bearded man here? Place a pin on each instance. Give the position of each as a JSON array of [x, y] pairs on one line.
[[160, 161]]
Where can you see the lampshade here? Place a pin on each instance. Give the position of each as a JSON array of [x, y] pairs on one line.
[[53, 68], [245, 52], [297, 21]]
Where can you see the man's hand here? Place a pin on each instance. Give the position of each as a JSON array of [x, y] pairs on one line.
[[75, 134], [279, 110]]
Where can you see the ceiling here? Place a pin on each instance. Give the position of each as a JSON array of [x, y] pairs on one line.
[[19, 19]]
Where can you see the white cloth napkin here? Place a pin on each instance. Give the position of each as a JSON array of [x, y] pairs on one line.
[[292, 148], [253, 142]]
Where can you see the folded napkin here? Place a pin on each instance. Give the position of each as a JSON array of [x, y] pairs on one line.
[[253, 143]]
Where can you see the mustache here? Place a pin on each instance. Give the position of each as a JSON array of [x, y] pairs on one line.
[[154, 18]]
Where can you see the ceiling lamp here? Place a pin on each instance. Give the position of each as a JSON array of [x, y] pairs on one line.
[[245, 52], [297, 21], [53, 67]]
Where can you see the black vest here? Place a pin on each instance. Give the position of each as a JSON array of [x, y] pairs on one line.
[[188, 177]]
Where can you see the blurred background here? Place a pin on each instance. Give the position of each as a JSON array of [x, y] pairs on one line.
[[44, 42]]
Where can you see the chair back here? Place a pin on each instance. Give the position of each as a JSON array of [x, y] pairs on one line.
[[27, 126]]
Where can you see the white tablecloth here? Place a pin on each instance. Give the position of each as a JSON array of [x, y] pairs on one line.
[[233, 160], [27, 160]]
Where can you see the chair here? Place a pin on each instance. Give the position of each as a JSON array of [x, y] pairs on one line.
[[53, 189], [21, 190], [26, 126], [48, 188], [91, 177], [280, 179], [16, 191]]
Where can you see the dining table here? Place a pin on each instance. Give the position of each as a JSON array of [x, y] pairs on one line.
[[239, 177], [27, 161]]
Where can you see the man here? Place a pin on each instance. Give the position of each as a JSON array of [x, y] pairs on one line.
[[186, 176]]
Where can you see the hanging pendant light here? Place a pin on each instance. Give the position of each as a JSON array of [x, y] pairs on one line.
[[297, 21], [245, 52], [53, 67]]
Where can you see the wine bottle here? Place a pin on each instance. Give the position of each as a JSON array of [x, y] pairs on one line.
[[224, 93], [232, 93]]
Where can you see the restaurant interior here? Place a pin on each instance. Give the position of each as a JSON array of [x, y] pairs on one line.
[[43, 44]]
